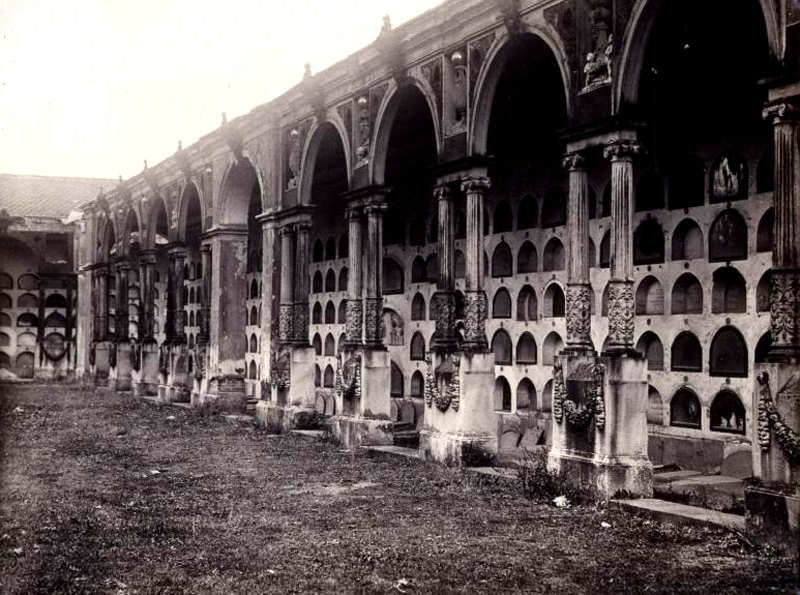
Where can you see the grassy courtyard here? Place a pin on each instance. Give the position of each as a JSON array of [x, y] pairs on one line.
[[106, 494]]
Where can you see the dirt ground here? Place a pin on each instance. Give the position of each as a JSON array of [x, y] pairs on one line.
[[107, 494]]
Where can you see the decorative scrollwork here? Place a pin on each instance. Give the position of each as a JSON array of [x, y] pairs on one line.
[[785, 307], [579, 314], [620, 313], [451, 397], [373, 320], [770, 417], [475, 317], [286, 322], [594, 405], [281, 373], [348, 389], [355, 314]]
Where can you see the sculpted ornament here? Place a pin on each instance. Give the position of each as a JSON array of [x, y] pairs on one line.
[[770, 418], [785, 307], [373, 319], [451, 396], [475, 317], [355, 314], [348, 385], [444, 313], [281, 372], [620, 313], [301, 322], [286, 322], [579, 314], [595, 400]]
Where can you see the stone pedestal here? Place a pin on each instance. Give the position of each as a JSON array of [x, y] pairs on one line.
[[363, 405], [148, 372], [120, 376], [301, 389], [226, 392], [600, 424], [467, 421], [102, 364], [292, 408], [772, 500]]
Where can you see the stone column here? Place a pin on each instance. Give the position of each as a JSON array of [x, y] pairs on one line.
[[286, 315], [178, 256], [621, 307], [579, 289], [121, 317], [148, 378], [302, 256], [205, 293], [373, 300], [474, 296], [103, 299], [785, 289], [269, 300], [354, 305], [444, 300], [147, 265]]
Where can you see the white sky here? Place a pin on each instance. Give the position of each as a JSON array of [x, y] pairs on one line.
[[93, 87]]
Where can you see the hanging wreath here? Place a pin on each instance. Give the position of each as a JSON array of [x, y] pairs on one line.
[[768, 416], [452, 392], [595, 402], [348, 390]]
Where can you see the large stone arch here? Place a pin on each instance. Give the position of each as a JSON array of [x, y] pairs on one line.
[[108, 238], [190, 191], [157, 204], [385, 121], [132, 217], [235, 189], [637, 34], [311, 150], [490, 74]]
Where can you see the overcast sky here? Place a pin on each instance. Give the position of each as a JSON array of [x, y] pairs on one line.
[[93, 87]]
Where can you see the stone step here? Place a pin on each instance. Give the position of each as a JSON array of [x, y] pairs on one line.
[[406, 439], [671, 512]]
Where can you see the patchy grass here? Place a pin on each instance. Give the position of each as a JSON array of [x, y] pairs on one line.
[[104, 494]]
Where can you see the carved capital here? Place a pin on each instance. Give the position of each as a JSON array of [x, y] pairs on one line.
[[574, 161], [475, 184], [443, 192], [475, 320], [353, 214], [781, 111], [376, 209], [579, 315], [622, 150], [621, 311]]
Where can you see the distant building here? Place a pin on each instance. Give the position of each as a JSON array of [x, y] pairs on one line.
[[40, 230]]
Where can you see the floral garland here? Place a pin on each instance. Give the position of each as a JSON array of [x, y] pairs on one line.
[[595, 405], [344, 390], [281, 380], [768, 415], [452, 393]]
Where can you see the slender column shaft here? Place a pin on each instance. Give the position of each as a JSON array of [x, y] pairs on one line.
[[286, 323], [41, 315], [103, 299], [121, 316], [354, 304], [474, 296], [147, 323], [373, 301], [443, 302], [205, 293], [785, 286], [179, 317], [303, 255], [579, 290], [620, 291]]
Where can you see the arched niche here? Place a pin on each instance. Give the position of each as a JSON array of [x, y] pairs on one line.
[[687, 353], [502, 394], [687, 241], [502, 348], [728, 354], [650, 346], [501, 304], [526, 349], [687, 295], [729, 292], [553, 345], [728, 237], [685, 409], [649, 297]]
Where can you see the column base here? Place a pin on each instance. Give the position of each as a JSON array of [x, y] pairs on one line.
[[773, 513], [301, 387], [101, 367], [279, 419], [120, 376], [456, 450], [611, 477], [225, 393], [148, 372]]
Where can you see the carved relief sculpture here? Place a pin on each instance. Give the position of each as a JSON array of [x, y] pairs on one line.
[[355, 314], [286, 322], [594, 404], [443, 307], [769, 418], [373, 319], [579, 314], [448, 394], [294, 159], [364, 131], [785, 308], [475, 317], [620, 313]]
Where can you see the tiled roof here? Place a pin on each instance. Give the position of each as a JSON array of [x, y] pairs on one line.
[[43, 196]]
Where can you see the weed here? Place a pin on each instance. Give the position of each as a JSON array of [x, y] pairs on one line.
[[475, 454], [542, 484]]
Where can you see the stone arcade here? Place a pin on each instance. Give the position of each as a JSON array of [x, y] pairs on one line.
[[506, 223]]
